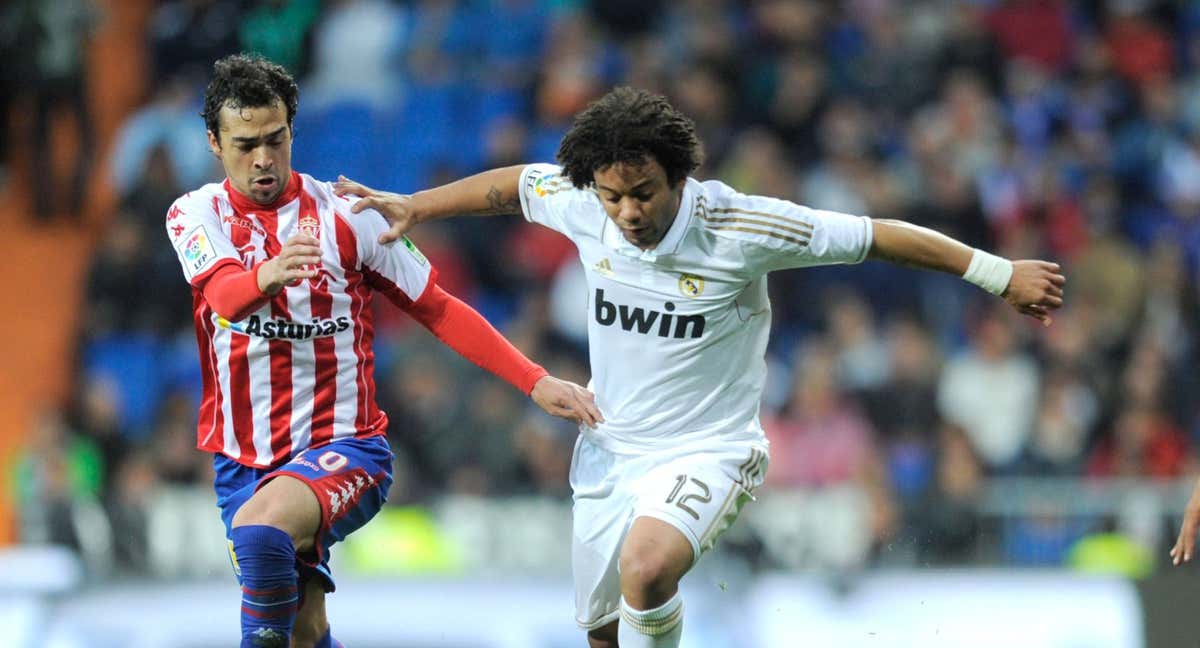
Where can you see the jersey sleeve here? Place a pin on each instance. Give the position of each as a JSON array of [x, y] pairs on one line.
[[546, 195], [397, 269], [780, 234], [194, 227]]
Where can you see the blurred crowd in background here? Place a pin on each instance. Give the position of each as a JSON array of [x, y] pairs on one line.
[[1068, 131]]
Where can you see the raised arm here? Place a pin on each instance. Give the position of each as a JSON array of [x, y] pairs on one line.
[[483, 194], [1032, 287]]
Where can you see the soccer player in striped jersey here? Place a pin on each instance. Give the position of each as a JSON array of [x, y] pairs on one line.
[[678, 319], [282, 282]]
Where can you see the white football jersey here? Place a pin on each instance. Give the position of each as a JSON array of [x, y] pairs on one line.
[[678, 334]]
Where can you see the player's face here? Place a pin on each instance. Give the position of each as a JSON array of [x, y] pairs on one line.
[[639, 200], [255, 147]]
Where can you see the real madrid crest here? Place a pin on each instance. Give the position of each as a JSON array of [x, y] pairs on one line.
[[691, 285]]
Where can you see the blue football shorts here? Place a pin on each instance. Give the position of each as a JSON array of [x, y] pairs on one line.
[[350, 478]]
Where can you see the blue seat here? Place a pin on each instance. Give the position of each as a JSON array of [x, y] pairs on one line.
[[131, 362]]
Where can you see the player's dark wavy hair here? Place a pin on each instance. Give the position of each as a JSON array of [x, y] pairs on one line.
[[248, 81], [627, 125]]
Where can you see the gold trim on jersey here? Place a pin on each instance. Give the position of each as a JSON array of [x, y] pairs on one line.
[[734, 210], [749, 473], [801, 229], [751, 221], [789, 239]]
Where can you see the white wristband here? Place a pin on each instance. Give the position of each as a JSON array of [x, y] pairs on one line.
[[989, 272]]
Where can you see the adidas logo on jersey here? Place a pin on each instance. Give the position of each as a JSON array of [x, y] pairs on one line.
[[648, 322]]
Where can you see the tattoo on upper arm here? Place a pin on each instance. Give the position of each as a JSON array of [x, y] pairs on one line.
[[498, 204]]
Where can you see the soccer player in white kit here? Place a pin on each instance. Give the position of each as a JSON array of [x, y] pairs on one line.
[[678, 319]]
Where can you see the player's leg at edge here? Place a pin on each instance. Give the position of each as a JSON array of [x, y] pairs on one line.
[[276, 523], [312, 626], [654, 557]]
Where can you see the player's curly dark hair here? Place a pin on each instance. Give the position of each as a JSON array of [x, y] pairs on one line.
[[627, 125], [248, 81]]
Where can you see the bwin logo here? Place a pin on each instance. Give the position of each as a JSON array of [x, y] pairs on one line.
[[642, 321]]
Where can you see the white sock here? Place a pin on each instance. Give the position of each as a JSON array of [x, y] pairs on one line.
[[656, 628]]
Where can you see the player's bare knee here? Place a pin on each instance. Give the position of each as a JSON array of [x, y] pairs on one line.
[[270, 508], [647, 577], [261, 511]]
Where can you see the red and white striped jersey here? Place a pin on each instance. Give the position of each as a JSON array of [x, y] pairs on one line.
[[298, 372]]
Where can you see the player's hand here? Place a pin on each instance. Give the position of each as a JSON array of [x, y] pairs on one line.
[[396, 208], [296, 261], [1035, 289], [567, 400], [1182, 551]]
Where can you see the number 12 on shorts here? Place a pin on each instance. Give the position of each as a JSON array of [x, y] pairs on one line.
[[703, 495]]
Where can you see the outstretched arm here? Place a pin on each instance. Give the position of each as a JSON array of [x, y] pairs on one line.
[[466, 331], [483, 194], [1032, 287]]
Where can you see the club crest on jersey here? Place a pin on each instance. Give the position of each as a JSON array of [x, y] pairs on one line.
[[691, 285], [310, 226]]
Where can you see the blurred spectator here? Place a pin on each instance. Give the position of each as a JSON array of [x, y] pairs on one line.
[[56, 473], [903, 409], [356, 54], [944, 521], [61, 32], [700, 92], [279, 30], [798, 96], [544, 446], [186, 36], [1141, 49], [991, 390], [819, 441], [1143, 443], [969, 43], [17, 36], [1035, 30], [862, 353], [134, 483], [1068, 411], [1107, 275], [162, 146], [122, 273], [757, 164], [174, 450], [837, 182]]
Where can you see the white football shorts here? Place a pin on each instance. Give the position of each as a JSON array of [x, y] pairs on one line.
[[699, 489]]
